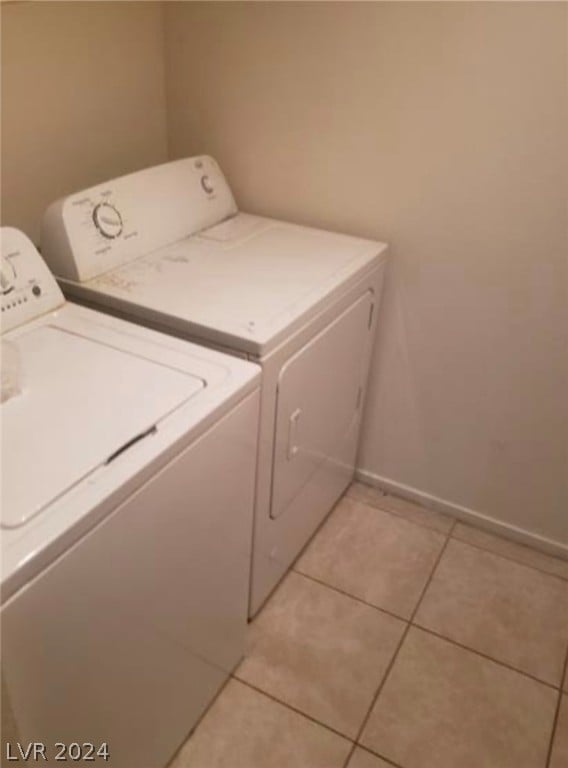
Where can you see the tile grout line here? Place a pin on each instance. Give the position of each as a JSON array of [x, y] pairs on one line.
[[371, 751], [376, 695], [455, 522], [400, 516], [432, 572], [314, 720], [354, 745], [410, 623], [292, 708], [293, 568], [557, 712], [399, 646], [353, 597], [483, 655], [397, 650], [376, 754], [430, 631], [508, 557]]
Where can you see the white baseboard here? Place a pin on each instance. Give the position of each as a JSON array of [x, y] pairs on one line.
[[465, 514]]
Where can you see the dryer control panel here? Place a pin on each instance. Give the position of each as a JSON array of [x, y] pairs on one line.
[[104, 227], [27, 287]]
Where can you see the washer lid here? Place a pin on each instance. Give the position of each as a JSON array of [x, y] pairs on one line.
[[82, 401]]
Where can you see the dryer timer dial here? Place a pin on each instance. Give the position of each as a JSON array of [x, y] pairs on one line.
[[107, 220]]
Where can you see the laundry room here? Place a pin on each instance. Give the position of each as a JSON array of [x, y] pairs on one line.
[[284, 468]]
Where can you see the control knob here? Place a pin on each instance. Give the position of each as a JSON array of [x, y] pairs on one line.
[[207, 185], [7, 276], [107, 220]]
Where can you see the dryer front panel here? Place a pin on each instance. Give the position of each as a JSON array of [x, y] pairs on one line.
[[319, 400]]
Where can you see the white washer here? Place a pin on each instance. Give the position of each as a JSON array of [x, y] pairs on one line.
[[166, 247], [128, 463]]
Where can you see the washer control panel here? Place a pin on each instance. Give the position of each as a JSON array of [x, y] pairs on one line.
[[104, 227], [27, 287]]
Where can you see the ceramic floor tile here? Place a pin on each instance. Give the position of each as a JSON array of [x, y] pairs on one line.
[[446, 707], [508, 611], [416, 513], [511, 549], [245, 729], [401, 507], [363, 759], [365, 493], [559, 757], [377, 557], [321, 652]]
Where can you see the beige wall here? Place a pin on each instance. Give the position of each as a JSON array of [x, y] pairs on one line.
[[442, 128], [82, 99]]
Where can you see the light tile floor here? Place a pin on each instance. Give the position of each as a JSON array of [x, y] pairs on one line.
[[400, 638]]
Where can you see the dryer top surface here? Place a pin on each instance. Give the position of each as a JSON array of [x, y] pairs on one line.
[[242, 283]]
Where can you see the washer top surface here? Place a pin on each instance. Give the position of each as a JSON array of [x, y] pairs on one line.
[[82, 401], [242, 283]]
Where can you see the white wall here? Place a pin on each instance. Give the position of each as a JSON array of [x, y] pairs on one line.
[[443, 129], [83, 99]]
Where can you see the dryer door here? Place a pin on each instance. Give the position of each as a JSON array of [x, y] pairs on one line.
[[319, 402]]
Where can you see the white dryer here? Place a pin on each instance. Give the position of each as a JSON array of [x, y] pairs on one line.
[[167, 247], [128, 464]]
